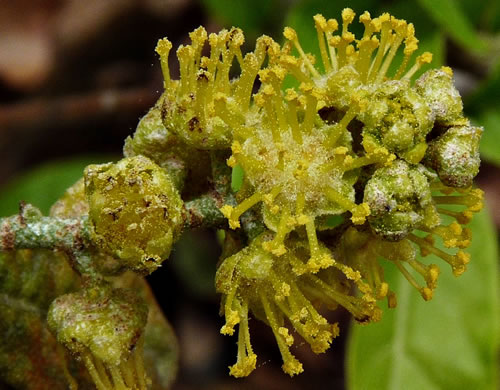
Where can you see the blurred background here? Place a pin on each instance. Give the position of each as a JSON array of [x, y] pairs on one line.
[[76, 76]]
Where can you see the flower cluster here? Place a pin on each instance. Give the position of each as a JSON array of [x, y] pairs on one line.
[[358, 165], [367, 163]]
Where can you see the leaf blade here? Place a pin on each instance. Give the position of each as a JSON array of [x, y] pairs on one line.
[[490, 120], [449, 342], [449, 15], [43, 185]]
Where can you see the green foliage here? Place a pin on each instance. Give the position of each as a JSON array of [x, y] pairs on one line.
[[44, 184], [487, 95], [251, 16], [490, 141], [448, 343], [451, 18]]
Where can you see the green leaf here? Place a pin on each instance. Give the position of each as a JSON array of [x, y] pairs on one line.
[[43, 185], [490, 141], [251, 16], [450, 342], [485, 14], [449, 15], [487, 94]]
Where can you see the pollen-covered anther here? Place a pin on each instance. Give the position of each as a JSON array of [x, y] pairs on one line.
[[286, 335], [163, 48], [231, 161], [359, 213], [458, 262], [227, 211], [423, 59], [232, 319], [282, 292], [453, 235]]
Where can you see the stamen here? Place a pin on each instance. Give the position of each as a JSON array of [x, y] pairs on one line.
[[244, 86], [425, 58], [246, 358], [139, 363], [411, 46], [346, 38], [185, 56], [292, 98], [359, 212], [290, 364], [462, 218], [362, 310], [473, 200], [311, 108], [458, 262], [401, 31], [232, 119], [339, 128], [163, 49], [453, 235], [384, 38], [429, 272], [232, 317], [381, 288], [291, 35], [202, 85], [127, 373], [321, 27], [426, 292], [87, 360], [117, 378], [276, 246], [301, 203], [319, 258], [102, 373], [332, 42], [366, 47], [73, 385], [292, 65]]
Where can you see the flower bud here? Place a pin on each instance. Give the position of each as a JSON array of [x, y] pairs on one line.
[[437, 89], [398, 118], [103, 327], [103, 321], [135, 211], [183, 163], [455, 155], [400, 199]]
